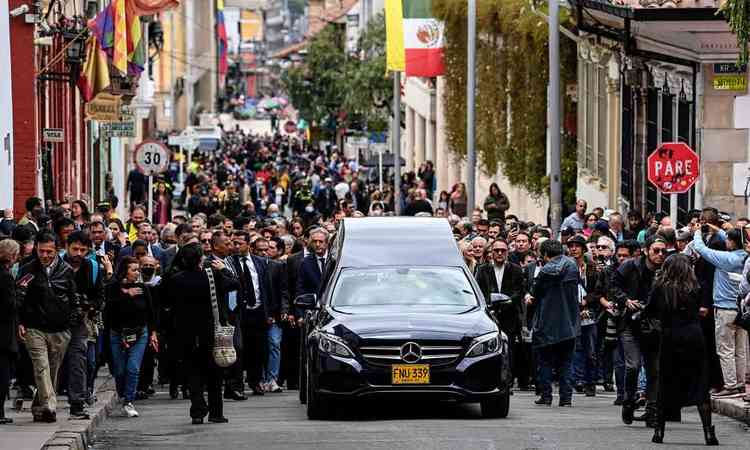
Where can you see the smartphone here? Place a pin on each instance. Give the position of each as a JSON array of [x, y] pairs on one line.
[[705, 228]]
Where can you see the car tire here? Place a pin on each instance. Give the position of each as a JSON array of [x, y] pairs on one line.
[[496, 407], [316, 408]]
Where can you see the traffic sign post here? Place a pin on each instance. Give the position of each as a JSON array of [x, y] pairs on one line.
[[673, 169], [151, 157]]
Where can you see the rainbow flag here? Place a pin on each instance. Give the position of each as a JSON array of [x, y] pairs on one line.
[[94, 76], [118, 30], [414, 38]]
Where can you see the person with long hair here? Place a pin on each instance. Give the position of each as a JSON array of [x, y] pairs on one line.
[[131, 319], [9, 250], [458, 200], [496, 203], [79, 212], [683, 360]]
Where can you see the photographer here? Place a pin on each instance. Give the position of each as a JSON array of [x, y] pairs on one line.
[[88, 300]]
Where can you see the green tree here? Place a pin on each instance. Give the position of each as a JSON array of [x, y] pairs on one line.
[[333, 89]]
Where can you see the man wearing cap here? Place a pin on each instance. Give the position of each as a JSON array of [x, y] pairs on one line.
[[584, 365]]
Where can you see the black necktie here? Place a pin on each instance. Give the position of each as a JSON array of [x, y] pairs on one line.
[[250, 288], [322, 263]]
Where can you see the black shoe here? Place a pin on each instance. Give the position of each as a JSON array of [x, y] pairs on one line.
[[141, 395], [173, 392], [658, 435], [543, 401], [257, 389], [710, 434], [150, 391], [627, 412], [645, 417], [221, 419], [234, 395], [579, 388], [197, 420], [608, 387], [590, 391], [617, 402], [46, 417], [79, 413], [566, 404]]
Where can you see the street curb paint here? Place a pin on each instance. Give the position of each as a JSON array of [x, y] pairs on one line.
[[79, 434], [735, 408]]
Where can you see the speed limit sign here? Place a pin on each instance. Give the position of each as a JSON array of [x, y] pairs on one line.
[[151, 157]]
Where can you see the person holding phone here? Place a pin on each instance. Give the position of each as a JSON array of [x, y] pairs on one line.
[[132, 322]]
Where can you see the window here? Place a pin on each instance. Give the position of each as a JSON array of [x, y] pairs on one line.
[[593, 118], [427, 287]]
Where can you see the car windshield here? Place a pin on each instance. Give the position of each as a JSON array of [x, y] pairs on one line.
[[407, 286]]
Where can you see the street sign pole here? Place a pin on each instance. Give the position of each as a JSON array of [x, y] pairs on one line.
[[471, 160], [150, 197], [553, 105]]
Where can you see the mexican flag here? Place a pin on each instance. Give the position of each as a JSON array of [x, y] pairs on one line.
[[414, 38]]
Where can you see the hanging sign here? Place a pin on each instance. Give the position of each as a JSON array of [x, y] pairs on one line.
[[53, 135]]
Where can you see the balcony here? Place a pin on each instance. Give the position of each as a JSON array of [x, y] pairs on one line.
[[654, 10]]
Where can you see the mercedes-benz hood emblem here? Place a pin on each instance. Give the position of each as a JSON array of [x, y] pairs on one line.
[[411, 352]]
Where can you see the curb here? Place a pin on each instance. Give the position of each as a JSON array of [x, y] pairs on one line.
[[78, 434], [735, 408]]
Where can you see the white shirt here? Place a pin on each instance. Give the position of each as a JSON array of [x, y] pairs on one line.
[[499, 272], [248, 261]]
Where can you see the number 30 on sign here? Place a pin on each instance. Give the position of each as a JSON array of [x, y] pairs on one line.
[[151, 157]]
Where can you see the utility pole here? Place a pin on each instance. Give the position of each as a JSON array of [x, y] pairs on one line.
[[396, 142], [471, 154], [553, 104]]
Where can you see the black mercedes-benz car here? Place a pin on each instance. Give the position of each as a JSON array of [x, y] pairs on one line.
[[400, 315]]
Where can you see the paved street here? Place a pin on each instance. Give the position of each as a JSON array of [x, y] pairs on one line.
[[277, 422]]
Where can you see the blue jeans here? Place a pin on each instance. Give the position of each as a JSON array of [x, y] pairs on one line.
[[585, 357], [126, 363], [91, 359], [274, 353], [557, 357]]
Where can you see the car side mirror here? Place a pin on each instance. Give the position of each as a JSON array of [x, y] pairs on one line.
[[306, 301], [500, 300]]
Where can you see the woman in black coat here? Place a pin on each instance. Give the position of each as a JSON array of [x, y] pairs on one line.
[[194, 323], [683, 360], [8, 320]]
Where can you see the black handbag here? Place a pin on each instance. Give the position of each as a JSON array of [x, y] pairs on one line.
[[743, 314]]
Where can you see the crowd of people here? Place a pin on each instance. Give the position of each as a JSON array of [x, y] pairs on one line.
[[653, 311]]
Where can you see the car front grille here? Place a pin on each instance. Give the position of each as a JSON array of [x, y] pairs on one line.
[[435, 355]]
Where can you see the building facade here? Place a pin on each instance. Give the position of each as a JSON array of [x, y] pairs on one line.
[[652, 73]]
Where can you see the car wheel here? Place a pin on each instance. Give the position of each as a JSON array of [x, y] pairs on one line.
[[496, 407], [316, 408], [302, 372]]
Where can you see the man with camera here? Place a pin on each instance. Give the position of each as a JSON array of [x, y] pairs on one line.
[[88, 276]]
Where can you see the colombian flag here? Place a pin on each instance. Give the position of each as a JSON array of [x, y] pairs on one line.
[[414, 38]]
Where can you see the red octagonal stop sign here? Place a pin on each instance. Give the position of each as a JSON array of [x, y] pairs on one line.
[[673, 168]]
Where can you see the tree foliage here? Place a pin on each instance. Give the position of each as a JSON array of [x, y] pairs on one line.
[[511, 95], [333, 89]]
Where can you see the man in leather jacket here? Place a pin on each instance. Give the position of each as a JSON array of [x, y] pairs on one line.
[[47, 291], [631, 285]]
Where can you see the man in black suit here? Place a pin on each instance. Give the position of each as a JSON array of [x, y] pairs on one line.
[[325, 201], [254, 306], [504, 277], [144, 234], [312, 268], [290, 340], [100, 244]]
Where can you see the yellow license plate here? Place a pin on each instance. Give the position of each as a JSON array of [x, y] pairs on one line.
[[410, 374]]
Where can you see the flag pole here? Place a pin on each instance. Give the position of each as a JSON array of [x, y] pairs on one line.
[[396, 142], [471, 155]]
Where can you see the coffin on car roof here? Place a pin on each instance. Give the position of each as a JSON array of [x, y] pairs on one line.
[[402, 241]]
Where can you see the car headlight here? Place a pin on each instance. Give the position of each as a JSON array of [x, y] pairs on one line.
[[334, 345], [484, 345]]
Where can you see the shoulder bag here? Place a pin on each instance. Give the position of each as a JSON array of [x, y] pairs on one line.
[[743, 314], [224, 352]]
